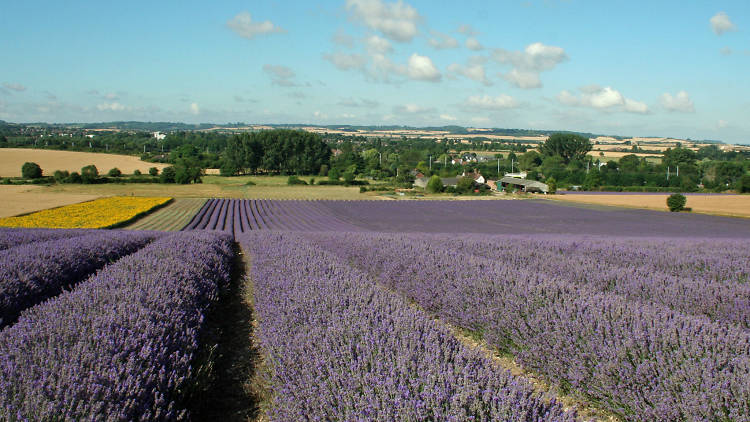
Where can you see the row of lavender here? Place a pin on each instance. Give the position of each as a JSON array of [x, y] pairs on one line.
[[37, 270], [239, 216], [340, 348], [120, 345], [637, 357], [10, 237]]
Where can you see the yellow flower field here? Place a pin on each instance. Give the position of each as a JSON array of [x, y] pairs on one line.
[[98, 214]]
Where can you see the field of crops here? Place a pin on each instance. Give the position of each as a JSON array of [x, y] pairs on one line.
[[98, 214], [363, 311]]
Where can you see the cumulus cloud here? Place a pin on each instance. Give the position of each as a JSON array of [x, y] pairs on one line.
[[421, 68], [243, 25], [523, 79], [486, 102], [396, 21], [378, 45], [467, 30], [448, 117], [280, 75], [362, 102], [412, 109], [602, 98], [114, 106], [680, 102], [527, 64], [343, 39], [473, 71], [344, 61], [14, 87], [441, 41], [720, 23], [473, 44], [194, 109]]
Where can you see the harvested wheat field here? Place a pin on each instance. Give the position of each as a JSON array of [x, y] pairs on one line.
[[727, 205], [24, 199], [11, 160]]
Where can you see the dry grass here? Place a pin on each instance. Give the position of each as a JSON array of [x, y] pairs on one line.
[[726, 205], [11, 160], [25, 199]]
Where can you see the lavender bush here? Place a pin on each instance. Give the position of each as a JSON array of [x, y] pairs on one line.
[[34, 272], [119, 346], [641, 361], [340, 348], [10, 237]]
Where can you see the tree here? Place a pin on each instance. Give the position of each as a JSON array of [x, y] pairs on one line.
[[435, 184], [743, 185], [629, 162], [529, 160], [137, 172], [31, 171], [676, 202], [552, 184], [167, 175], [114, 172], [153, 171], [349, 176], [592, 180], [566, 145], [187, 170], [333, 174], [89, 174], [464, 185], [74, 178]]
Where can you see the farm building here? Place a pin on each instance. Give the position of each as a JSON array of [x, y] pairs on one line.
[[525, 185]]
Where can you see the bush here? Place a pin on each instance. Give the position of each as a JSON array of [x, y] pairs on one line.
[[61, 176], [294, 180], [552, 184], [465, 185], [333, 174], [676, 202], [349, 177], [153, 171], [228, 169], [31, 171], [137, 172], [74, 178], [167, 175], [435, 184], [115, 172], [249, 183], [89, 174]]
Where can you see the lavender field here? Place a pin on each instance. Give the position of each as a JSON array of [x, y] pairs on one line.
[[362, 311]]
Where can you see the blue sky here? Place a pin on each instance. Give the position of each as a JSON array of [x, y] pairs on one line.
[[667, 68]]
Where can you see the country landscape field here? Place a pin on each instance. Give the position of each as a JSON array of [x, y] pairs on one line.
[[375, 211], [384, 310]]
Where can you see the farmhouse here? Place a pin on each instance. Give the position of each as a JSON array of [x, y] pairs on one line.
[[525, 185]]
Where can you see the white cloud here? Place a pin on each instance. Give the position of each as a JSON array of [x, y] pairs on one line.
[[320, 115], [376, 44], [280, 75], [474, 72], [720, 23], [343, 39], [473, 44], [448, 117], [721, 124], [110, 96], [486, 102], [344, 61], [726, 51], [14, 87], [397, 21], [362, 102], [243, 25], [442, 41], [523, 79], [115, 106], [602, 98], [194, 108], [480, 120], [421, 68], [412, 109], [680, 102], [527, 64], [467, 30]]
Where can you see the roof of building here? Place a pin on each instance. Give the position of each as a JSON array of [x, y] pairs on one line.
[[525, 183]]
